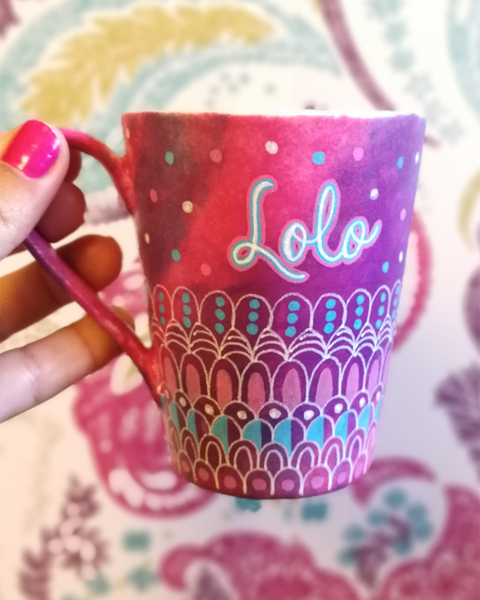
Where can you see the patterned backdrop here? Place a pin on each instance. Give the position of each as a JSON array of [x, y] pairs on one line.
[[89, 504]]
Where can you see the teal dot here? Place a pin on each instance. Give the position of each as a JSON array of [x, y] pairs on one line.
[[354, 533], [395, 301], [219, 328], [346, 558], [252, 329], [294, 305], [185, 298], [383, 297], [162, 308], [394, 313], [381, 310], [378, 323], [292, 318], [253, 316], [169, 157], [329, 327], [318, 158], [397, 290], [422, 531], [220, 314], [187, 310], [377, 518], [357, 324], [290, 331], [360, 299], [176, 255], [417, 512], [254, 304], [359, 311], [187, 322], [395, 498], [402, 546], [161, 296], [385, 267], [331, 315], [400, 162], [162, 320], [331, 303], [219, 301]]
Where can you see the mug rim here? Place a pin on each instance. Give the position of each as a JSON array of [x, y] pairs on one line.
[[285, 114]]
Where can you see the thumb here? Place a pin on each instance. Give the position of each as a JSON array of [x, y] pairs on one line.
[[34, 159]]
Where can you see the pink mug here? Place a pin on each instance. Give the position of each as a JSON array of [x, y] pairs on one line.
[[273, 249]]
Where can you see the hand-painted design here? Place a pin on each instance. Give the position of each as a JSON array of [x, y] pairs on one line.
[[148, 31], [250, 566], [393, 528], [468, 202], [247, 566], [472, 308], [71, 543], [126, 430], [268, 411]]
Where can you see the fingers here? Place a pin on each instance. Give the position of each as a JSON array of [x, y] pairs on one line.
[[34, 159], [64, 215], [30, 294], [31, 375]]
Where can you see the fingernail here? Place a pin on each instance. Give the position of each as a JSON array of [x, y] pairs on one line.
[[32, 148]]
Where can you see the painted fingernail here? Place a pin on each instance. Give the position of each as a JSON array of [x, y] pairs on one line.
[[32, 148]]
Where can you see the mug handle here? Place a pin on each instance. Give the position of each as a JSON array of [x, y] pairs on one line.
[[83, 294]]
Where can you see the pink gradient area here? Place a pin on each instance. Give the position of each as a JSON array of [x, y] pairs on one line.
[[252, 565], [126, 430]]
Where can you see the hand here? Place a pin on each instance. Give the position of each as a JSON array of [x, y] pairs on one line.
[[36, 190]]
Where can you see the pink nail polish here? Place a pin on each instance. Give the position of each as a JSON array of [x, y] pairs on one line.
[[33, 149]]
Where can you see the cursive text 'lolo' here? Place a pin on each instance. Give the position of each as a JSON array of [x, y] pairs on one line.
[[296, 240]]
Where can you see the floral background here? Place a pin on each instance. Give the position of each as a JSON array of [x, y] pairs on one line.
[[89, 505]]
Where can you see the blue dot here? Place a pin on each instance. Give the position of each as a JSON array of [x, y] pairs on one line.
[[219, 328], [360, 299], [331, 303], [381, 310], [378, 323], [385, 267], [253, 316], [377, 518], [402, 546], [169, 158], [252, 329], [329, 327], [162, 320], [219, 301], [422, 531], [395, 301], [394, 313], [162, 308], [292, 318], [357, 324], [318, 158], [400, 162], [254, 304], [395, 498], [187, 322], [176, 255], [290, 331], [397, 290], [185, 298], [383, 297], [220, 314], [187, 310], [359, 311], [331, 315], [417, 512], [294, 305], [354, 533], [161, 296]]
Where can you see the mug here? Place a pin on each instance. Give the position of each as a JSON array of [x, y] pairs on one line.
[[273, 248]]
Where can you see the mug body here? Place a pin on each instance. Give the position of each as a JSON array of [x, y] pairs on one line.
[[274, 249]]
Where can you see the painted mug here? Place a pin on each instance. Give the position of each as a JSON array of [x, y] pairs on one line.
[[273, 249]]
